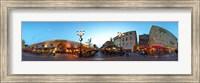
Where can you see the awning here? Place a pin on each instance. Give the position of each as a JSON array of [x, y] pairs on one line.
[[157, 46]]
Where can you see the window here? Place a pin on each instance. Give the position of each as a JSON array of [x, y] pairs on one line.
[[122, 39], [155, 35], [169, 38], [126, 43], [126, 38], [126, 33], [130, 37], [155, 30], [130, 33]]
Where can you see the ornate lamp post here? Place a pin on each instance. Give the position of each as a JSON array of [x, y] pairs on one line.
[[120, 34], [80, 33]]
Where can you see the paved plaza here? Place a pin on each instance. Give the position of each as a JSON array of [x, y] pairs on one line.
[[97, 57]]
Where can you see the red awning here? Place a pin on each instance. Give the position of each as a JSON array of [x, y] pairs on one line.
[[157, 46], [154, 46]]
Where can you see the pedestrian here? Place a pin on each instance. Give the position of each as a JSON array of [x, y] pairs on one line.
[[54, 53], [170, 52], [127, 55], [143, 52], [158, 52]]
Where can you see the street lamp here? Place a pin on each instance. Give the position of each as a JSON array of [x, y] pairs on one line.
[[80, 33], [120, 34]]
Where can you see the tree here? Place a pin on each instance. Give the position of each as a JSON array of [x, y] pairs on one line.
[[89, 42], [95, 46]]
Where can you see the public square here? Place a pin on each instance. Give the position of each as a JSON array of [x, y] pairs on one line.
[[99, 56], [112, 41]]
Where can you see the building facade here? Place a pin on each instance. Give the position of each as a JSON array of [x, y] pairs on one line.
[[57, 45], [162, 37], [127, 41], [23, 44], [144, 40]]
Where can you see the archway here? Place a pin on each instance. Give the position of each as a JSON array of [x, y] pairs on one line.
[[61, 48]]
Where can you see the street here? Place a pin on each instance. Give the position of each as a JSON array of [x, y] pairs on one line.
[[97, 57]]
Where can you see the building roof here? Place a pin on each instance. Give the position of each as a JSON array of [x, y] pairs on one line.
[[158, 27], [125, 33], [144, 34], [59, 40]]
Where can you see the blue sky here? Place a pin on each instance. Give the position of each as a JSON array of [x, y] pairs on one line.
[[100, 32]]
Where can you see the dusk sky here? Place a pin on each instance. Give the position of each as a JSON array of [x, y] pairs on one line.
[[100, 32]]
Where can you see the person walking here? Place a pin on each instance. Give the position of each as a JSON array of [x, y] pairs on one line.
[[126, 53], [170, 52], [53, 52], [158, 52]]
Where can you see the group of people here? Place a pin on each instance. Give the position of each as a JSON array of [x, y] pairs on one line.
[[89, 53], [159, 52], [113, 53]]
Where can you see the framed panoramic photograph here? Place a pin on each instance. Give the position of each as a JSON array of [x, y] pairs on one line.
[[61, 41], [99, 41]]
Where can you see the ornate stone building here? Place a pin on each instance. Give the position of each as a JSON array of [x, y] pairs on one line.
[[63, 46], [162, 37], [144, 40], [127, 41]]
